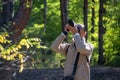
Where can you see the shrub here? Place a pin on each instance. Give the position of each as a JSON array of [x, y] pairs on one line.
[[14, 54], [114, 61]]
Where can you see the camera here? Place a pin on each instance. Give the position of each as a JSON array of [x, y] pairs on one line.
[[71, 22]]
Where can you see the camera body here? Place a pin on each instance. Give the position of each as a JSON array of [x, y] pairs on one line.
[[71, 23]]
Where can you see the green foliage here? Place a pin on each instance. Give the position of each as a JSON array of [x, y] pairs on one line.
[[36, 23], [46, 32], [114, 61], [49, 31], [111, 37], [93, 5], [75, 10]]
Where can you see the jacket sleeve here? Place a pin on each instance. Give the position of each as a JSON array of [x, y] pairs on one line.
[[81, 45], [58, 46]]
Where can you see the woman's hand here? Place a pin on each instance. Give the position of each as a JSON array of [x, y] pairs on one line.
[[66, 28], [71, 29]]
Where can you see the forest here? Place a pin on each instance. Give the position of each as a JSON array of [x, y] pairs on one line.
[[28, 28], [47, 20]]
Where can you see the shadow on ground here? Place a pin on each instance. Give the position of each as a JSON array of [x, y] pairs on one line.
[[97, 73]]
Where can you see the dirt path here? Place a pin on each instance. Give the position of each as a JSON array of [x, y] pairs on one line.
[[97, 73]]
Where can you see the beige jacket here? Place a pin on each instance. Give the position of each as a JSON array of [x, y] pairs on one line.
[[85, 49]]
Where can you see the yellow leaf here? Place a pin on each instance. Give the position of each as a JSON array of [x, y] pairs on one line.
[[28, 4], [8, 58], [4, 56], [22, 42], [8, 51], [1, 47], [21, 68], [1, 39], [21, 58], [27, 46], [19, 46]]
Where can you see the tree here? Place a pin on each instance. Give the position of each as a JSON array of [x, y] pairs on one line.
[[92, 19], [6, 13], [85, 13], [44, 31], [64, 12], [15, 25], [111, 38], [101, 59], [6, 17], [13, 56], [20, 19]]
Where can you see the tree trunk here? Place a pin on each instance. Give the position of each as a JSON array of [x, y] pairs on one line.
[[7, 13], [92, 20], [6, 17], [45, 18], [18, 23], [20, 19], [64, 12], [85, 19], [43, 39], [101, 59]]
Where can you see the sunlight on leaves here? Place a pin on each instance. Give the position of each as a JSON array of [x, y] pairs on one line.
[[13, 52]]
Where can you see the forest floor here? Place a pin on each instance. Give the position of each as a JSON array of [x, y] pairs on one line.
[[97, 73]]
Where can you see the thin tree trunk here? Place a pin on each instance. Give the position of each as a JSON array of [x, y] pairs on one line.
[[7, 13], [64, 12], [101, 59], [85, 19], [6, 18], [92, 20], [45, 15], [44, 40]]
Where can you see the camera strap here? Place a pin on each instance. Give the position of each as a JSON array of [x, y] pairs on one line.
[[76, 60], [75, 64]]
